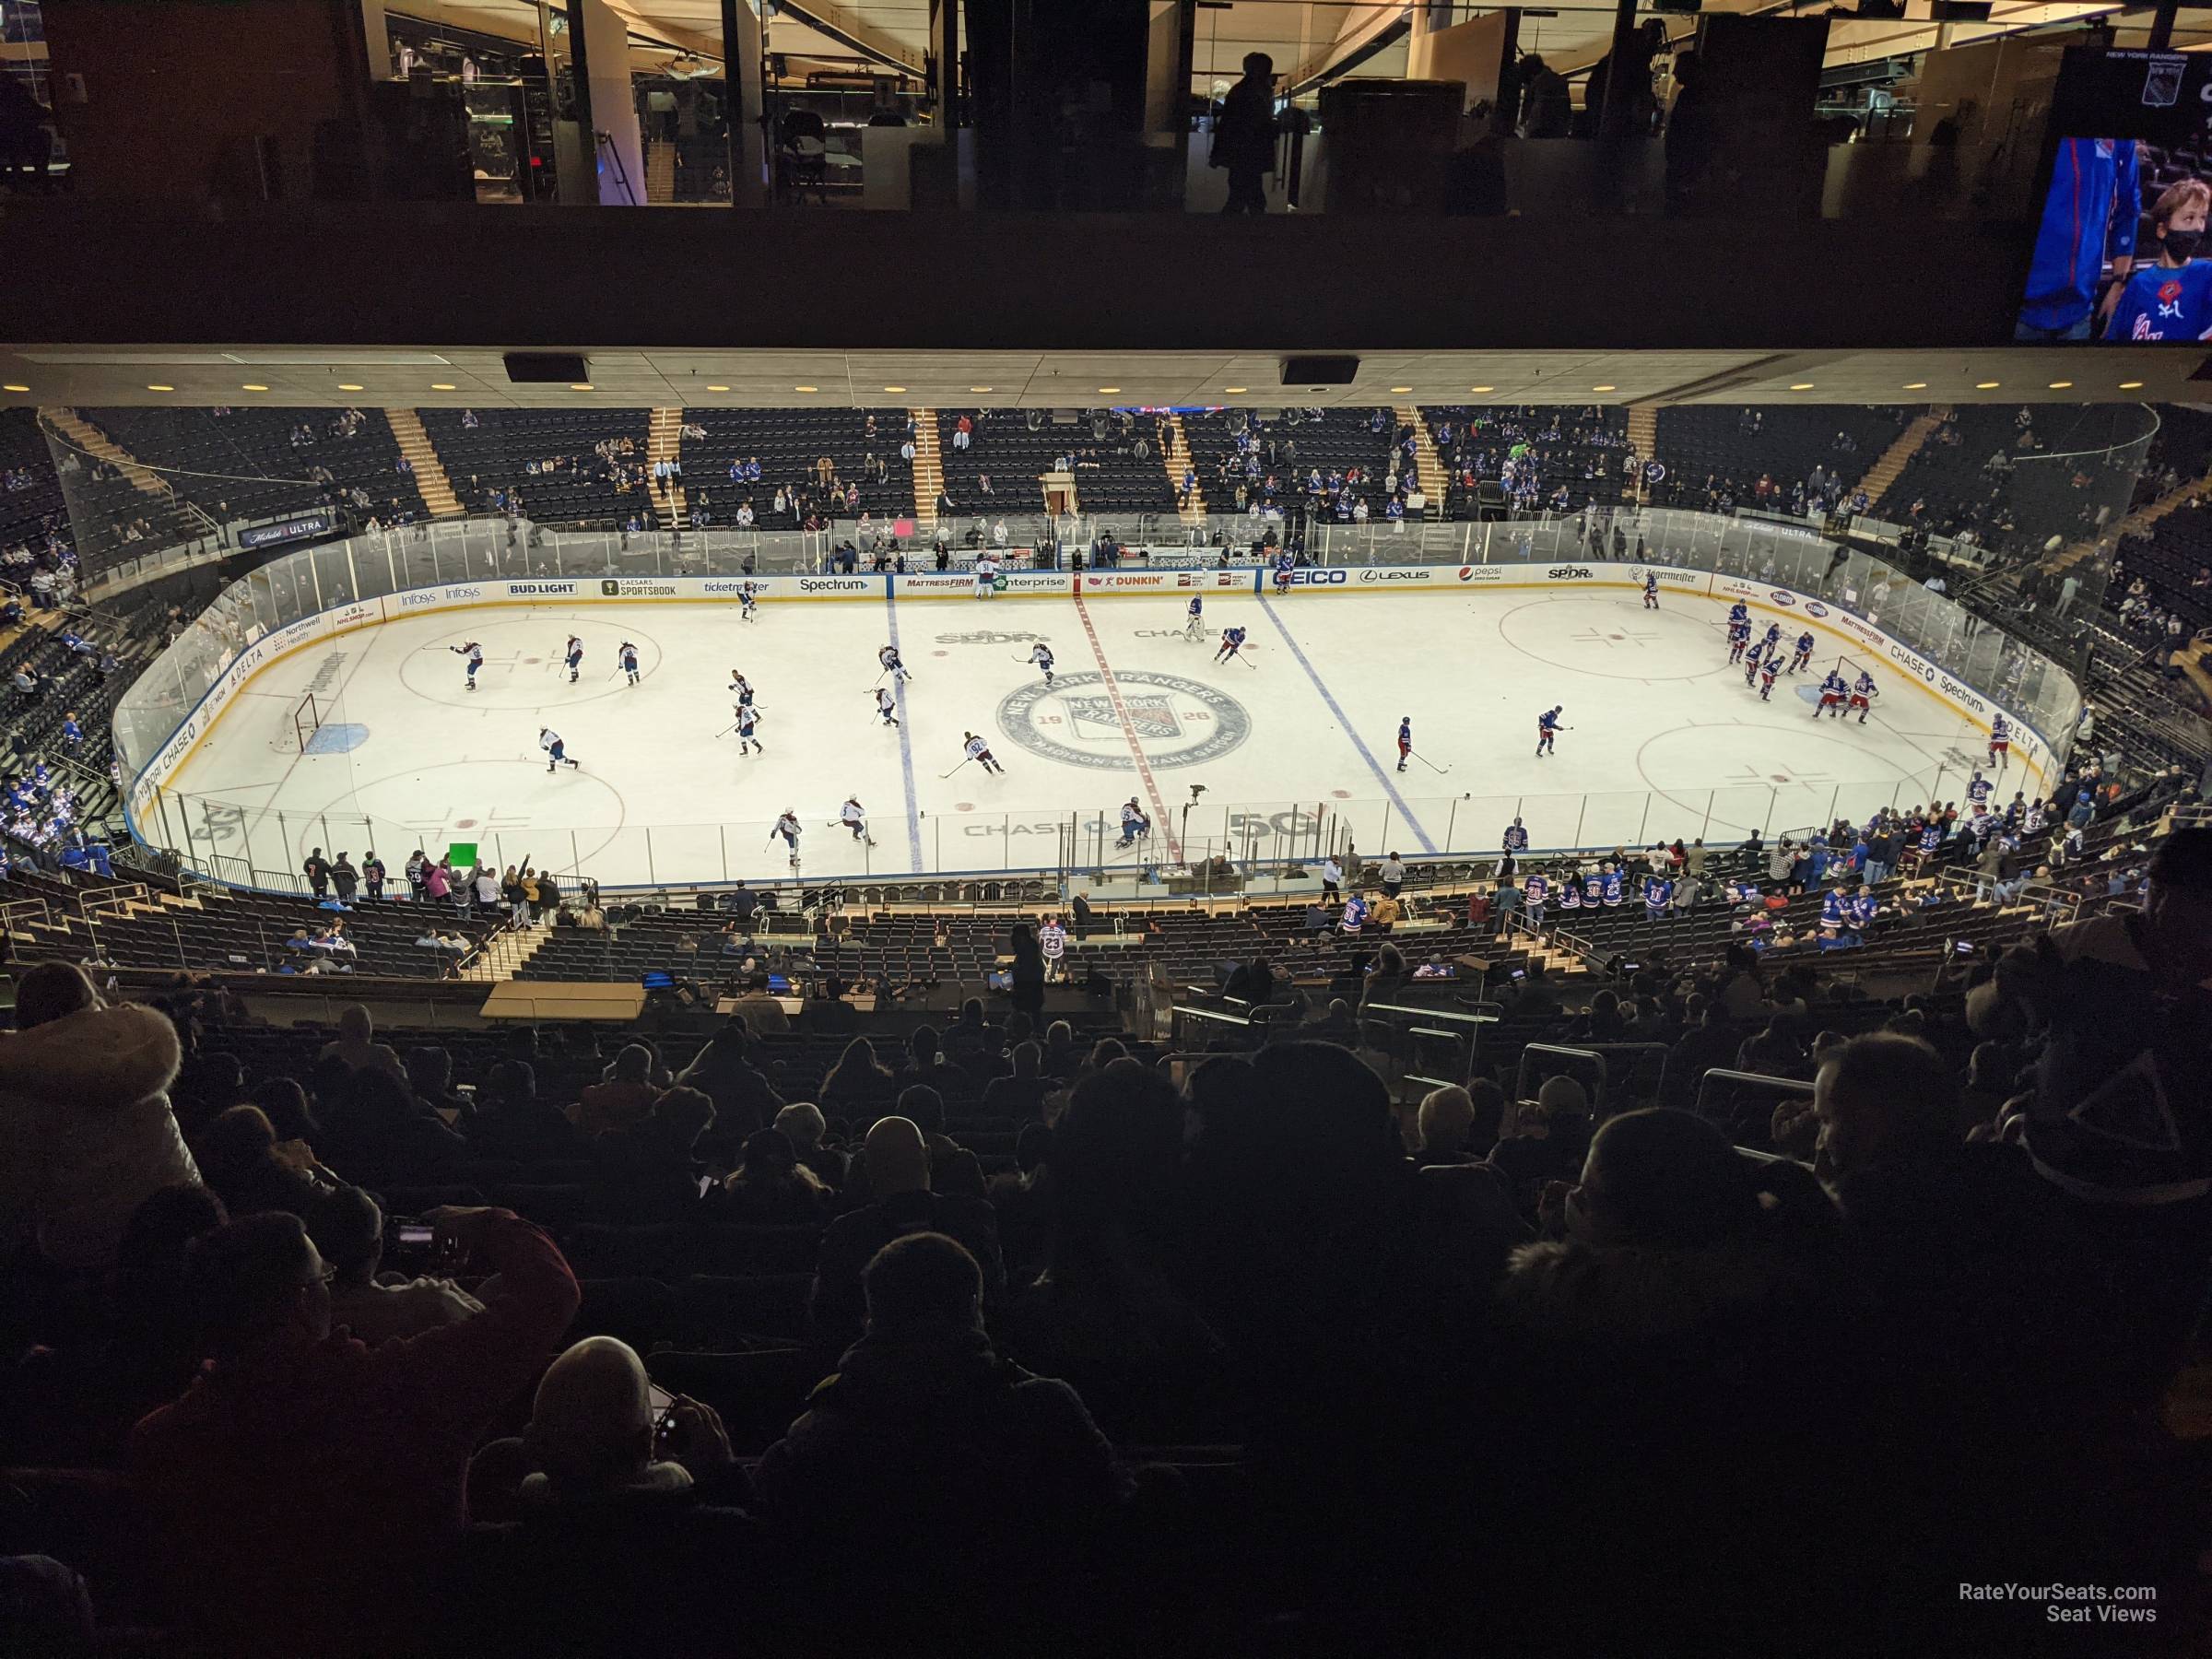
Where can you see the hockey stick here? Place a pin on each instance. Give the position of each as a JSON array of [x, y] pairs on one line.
[[942, 776], [1431, 765], [727, 730]]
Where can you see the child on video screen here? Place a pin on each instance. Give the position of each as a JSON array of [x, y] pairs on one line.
[[2170, 299]]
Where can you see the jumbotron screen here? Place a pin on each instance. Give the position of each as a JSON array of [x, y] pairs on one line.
[[2122, 252]]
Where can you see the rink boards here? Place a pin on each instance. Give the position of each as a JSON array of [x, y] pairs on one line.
[[1974, 705]]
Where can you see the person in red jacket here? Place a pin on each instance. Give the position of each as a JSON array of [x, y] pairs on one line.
[[305, 1484]]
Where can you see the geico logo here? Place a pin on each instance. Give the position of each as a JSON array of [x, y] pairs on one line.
[[832, 584], [1320, 578], [1394, 576], [1567, 573]]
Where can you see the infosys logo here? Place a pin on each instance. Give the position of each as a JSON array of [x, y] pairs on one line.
[[1568, 573], [832, 584]]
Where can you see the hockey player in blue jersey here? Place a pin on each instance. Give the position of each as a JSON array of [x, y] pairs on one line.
[[1739, 636], [1233, 641], [1194, 618], [1863, 693], [1404, 739], [1768, 670], [1804, 654], [1832, 694], [573, 654], [1651, 590], [627, 653], [475, 653], [2000, 740], [2089, 217], [1770, 642], [1752, 659], [1547, 729], [2171, 298], [1739, 612], [1285, 563]]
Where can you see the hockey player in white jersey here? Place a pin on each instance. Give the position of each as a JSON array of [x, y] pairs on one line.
[[889, 657], [1041, 654], [855, 817]]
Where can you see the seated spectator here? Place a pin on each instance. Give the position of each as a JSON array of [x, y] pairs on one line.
[[1548, 1143], [858, 1088], [1021, 1095], [348, 1229], [284, 1102], [624, 1099], [760, 1010], [646, 1171], [986, 1457], [802, 1125], [430, 1075], [86, 1130], [1106, 1312], [1061, 1060], [770, 1187], [1447, 1126], [970, 1041], [898, 1167], [379, 1133], [927, 1068], [332, 1542], [356, 1045], [237, 1157], [511, 1122], [743, 1099]]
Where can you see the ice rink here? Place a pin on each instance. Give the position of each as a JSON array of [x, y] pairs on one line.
[[1294, 747]]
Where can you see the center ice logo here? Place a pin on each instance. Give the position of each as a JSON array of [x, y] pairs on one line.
[[1079, 720]]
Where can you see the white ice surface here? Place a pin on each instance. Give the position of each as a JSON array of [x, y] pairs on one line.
[[1665, 738]]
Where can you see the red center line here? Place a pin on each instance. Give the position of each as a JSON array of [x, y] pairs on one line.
[[1121, 712]]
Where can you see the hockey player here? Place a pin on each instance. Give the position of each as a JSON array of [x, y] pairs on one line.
[[1804, 654], [748, 608], [629, 655], [1832, 694], [1770, 642], [1977, 789], [1135, 826], [1041, 654], [475, 653], [1286, 563], [1194, 618], [1232, 640], [1752, 658], [557, 752], [2000, 741], [1739, 612], [1739, 636], [1768, 671], [1863, 693], [741, 688], [1651, 589], [1547, 730], [886, 705], [749, 723], [986, 575], [889, 657], [1404, 739], [788, 827], [855, 817], [572, 653], [980, 752]]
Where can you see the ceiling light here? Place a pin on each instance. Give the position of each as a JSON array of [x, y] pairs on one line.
[[1232, 391], [343, 386], [154, 388], [805, 388], [718, 388], [2060, 385], [979, 388], [1605, 388], [886, 388], [2125, 386], [1401, 388], [1802, 386], [1482, 388], [1987, 385], [1110, 388], [14, 388], [1916, 385], [580, 385], [443, 386], [253, 386]]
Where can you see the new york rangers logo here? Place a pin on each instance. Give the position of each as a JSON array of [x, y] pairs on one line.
[[1149, 717]]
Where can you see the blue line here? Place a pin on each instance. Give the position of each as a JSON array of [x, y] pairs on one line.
[[906, 752], [1351, 731]]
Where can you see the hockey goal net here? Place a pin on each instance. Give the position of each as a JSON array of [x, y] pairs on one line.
[[295, 731]]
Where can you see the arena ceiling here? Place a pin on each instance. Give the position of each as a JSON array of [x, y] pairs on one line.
[[401, 376]]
